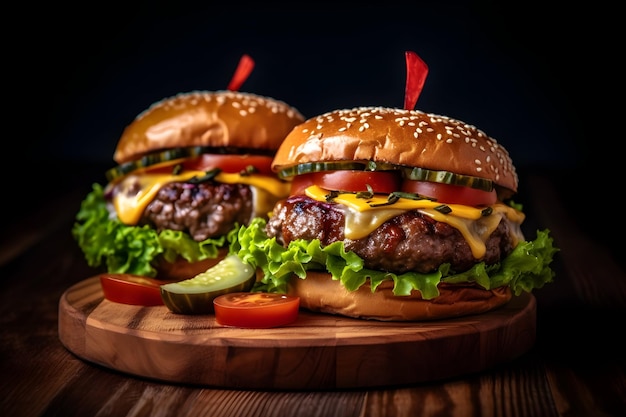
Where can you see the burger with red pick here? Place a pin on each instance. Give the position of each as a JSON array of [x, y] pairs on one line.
[[396, 214], [190, 170]]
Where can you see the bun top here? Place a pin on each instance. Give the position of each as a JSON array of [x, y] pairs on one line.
[[208, 118], [402, 137]]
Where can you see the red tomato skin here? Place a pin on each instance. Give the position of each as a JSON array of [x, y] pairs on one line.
[[227, 163], [451, 194], [383, 182], [132, 289], [232, 163], [234, 310]]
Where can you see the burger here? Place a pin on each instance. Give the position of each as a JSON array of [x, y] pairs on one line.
[[190, 170], [396, 214]]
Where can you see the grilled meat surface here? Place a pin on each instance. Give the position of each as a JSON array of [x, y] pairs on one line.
[[408, 242]]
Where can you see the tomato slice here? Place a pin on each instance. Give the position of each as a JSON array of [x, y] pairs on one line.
[[256, 310], [227, 163], [452, 194], [384, 182], [232, 163], [132, 289]]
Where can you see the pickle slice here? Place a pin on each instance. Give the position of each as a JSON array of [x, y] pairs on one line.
[[309, 167], [446, 177], [171, 155], [411, 173], [195, 295], [153, 159]]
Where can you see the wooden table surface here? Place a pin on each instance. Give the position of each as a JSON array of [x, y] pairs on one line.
[[576, 367]]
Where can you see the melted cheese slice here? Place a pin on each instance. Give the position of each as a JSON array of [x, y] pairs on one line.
[[135, 192], [363, 215]]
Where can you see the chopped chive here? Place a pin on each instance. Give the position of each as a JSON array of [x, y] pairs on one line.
[[250, 169], [486, 211], [391, 199], [209, 175], [366, 194], [412, 196], [331, 196]]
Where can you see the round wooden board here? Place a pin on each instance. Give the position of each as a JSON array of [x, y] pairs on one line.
[[318, 351]]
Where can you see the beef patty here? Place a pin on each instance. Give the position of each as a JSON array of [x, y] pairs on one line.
[[203, 210], [408, 242]]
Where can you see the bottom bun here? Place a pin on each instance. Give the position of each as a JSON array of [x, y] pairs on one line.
[[182, 269], [319, 292]]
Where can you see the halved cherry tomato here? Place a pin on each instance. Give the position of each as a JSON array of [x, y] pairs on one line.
[[132, 289], [452, 194], [348, 180], [256, 309], [227, 163]]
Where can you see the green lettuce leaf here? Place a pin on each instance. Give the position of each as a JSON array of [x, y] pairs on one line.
[[106, 241], [526, 268]]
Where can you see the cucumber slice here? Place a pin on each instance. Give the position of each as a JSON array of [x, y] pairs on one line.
[[170, 155], [309, 167], [153, 159], [195, 295], [418, 174], [446, 177]]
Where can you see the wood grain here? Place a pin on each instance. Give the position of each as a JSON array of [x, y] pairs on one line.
[[576, 367], [318, 351]]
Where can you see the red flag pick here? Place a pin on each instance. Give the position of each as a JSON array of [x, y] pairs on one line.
[[416, 72], [246, 64]]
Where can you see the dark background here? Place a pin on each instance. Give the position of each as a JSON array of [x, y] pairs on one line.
[[537, 77]]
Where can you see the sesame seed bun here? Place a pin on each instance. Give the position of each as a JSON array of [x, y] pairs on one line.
[[398, 137], [402, 137], [319, 292], [201, 125], [207, 118]]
